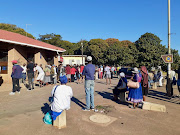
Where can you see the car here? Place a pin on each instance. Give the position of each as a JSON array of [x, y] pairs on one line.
[[127, 71]]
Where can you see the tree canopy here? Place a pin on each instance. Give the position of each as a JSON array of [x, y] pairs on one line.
[[14, 28], [147, 50]]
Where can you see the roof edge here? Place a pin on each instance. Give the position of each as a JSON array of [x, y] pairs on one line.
[[25, 44]]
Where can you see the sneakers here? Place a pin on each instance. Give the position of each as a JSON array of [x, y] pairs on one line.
[[12, 93], [84, 109], [95, 110], [132, 107], [18, 92]]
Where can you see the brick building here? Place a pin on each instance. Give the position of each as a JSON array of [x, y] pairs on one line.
[[14, 46]]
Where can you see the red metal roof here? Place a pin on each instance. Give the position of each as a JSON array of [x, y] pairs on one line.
[[11, 37]]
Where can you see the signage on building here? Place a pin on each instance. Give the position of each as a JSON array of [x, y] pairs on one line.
[[167, 58]]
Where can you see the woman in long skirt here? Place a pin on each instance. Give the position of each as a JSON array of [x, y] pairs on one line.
[[135, 95]]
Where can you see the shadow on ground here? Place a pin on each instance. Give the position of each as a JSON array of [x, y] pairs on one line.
[[109, 96], [162, 96], [78, 102]]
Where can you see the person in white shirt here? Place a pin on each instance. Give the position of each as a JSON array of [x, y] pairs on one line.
[[108, 74], [62, 97], [112, 71], [24, 73], [160, 77], [41, 74], [172, 76]]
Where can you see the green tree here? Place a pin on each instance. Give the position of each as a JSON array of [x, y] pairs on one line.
[[53, 39], [68, 46], [98, 49], [15, 29], [150, 50]]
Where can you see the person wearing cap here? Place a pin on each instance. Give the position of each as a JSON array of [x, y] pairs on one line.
[[135, 94], [88, 72], [116, 90], [16, 75], [62, 97]]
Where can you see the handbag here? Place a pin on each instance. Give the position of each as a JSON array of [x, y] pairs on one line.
[[132, 84], [51, 99], [123, 85]]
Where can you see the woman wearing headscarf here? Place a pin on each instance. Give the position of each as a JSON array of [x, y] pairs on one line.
[[121, 87], [144, 82]]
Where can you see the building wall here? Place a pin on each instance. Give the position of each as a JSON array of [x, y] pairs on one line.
[[19, 53], [75, 60], [40, 58], [14, 53]]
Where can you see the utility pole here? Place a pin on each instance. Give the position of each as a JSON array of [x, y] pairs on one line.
[[82, 50], [169, 52], [26, 28]]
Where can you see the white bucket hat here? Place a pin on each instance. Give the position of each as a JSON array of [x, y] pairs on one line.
[[122, 74], [135, 70]]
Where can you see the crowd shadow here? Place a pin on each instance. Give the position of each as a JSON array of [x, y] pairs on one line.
[[108, 95], [162, 96], [78, 102]]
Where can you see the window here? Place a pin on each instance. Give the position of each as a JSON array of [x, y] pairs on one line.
[[3, 61]]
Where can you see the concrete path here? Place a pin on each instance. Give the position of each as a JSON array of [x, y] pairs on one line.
[[22, 113]]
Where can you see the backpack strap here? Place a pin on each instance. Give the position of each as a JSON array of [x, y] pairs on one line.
[[55, 90]]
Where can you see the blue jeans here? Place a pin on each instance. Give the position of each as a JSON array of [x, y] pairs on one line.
[[89, 89]]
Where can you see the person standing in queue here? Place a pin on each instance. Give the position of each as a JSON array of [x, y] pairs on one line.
[[16, 75], [30, 74], [144, 82], [88, 72]]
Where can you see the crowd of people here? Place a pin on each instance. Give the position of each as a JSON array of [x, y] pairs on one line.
[[44, 76], [137, 86]]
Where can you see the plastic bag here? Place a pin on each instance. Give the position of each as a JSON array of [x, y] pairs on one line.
[[47, 118]]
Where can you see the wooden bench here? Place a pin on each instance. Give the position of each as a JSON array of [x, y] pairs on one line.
[[122, 96], [60, 121]]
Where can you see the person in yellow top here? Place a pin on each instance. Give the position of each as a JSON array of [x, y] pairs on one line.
[[118, 67]]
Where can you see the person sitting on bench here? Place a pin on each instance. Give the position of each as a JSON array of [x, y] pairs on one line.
[[121, 87]]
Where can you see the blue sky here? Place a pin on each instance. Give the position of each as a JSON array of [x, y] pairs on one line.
[[88, 19]]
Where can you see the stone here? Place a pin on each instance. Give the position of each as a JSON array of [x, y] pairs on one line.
[[153, 107], [60, 121]]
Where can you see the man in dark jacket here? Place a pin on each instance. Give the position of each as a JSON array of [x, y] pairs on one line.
[[16, 75]]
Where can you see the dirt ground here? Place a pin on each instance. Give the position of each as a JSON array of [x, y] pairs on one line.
[[22, 114]]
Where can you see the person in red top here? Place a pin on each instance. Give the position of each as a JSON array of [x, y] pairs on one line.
[[68, 72], [73, 72], [81, 70]]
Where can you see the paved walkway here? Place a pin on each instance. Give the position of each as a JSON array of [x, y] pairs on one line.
[[22, 113]]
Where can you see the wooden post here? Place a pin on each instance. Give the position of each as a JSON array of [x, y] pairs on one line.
[[154, 85], [60, 121]]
